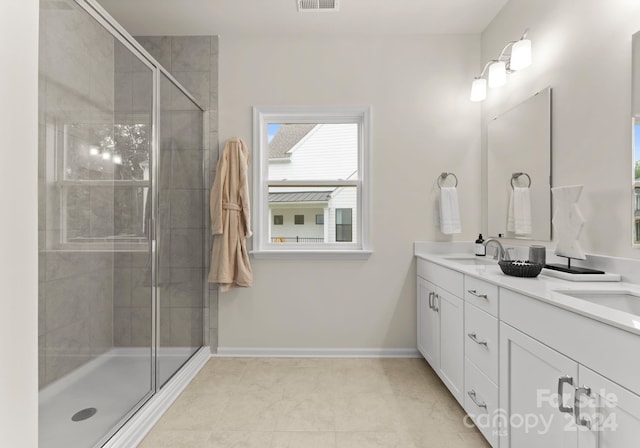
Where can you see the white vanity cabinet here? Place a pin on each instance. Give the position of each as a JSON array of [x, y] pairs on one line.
[[612, 413], [428, 323], [531, 373], [481, 356], [548, 393], [440, 323], [530, 368]]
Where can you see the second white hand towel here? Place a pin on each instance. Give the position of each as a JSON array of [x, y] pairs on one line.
[[519, 214], [511, 219], [449, 211]]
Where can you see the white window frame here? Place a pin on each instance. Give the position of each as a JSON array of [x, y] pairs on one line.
[[61, 139], [635, 121], [262, 117]]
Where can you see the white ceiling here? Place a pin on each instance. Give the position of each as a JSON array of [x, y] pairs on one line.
[[223, 17]]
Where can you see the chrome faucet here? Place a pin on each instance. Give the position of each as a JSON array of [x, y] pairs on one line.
[[500, 254]]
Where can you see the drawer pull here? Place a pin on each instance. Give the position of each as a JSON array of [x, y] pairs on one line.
[[473, 292], [581, 421], [472, 395], [474, 338], [436, 299], [561, 382], [431, 294]]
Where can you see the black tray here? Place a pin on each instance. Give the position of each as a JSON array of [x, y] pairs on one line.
[[520, 268]]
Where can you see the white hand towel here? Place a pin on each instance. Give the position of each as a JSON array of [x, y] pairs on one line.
[[511, 220], [449, 211], [519, 213]]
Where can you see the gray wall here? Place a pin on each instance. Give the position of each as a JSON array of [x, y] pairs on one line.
[[422, 124], [193, 61]]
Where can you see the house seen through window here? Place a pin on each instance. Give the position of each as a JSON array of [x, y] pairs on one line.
[[312, 180]]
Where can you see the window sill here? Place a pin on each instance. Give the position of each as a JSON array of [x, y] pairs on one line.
[[311, 254]]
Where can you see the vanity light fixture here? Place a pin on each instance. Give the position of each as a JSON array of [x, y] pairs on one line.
[[497, 74], [520, 54], [518, 58], [479, 89]]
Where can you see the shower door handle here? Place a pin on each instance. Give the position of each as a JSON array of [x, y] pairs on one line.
[[151, 226]]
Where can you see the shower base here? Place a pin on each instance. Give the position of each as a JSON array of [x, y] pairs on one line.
[[113, 384]]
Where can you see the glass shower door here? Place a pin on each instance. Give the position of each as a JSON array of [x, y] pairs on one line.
[[181, 230], [95, 206]]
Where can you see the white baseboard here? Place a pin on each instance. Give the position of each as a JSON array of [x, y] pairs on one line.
[[259, 352], [139, 425]]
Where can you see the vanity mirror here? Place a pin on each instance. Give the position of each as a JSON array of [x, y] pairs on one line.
[[519, 170], [635, 114]]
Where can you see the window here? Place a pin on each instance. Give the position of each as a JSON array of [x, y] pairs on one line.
[[636, 214], [312, 161], [278, 220], [636, 182], [103, 179], [343, 224]]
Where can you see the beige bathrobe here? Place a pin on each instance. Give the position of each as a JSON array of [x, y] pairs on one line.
[[231, 218]]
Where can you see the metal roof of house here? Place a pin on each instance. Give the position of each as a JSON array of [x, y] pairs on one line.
[[286, 138], [303, 196]]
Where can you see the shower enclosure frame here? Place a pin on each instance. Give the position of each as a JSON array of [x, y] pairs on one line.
[[138, 421]]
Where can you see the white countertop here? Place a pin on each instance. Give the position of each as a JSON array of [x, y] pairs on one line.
[[542, 287]]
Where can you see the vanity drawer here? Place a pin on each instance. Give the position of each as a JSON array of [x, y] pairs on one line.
[[481, 402], [481, 341], [445, 278], [481, 294]]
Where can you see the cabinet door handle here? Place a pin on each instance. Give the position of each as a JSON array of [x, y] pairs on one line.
[[472, 395], [431, 294], [436, 299], [473, 292], [474, 338], [581, 421], [561, 382]]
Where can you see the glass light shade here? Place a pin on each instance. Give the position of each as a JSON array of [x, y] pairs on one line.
[[497, 74], [106, 155], [479, 89], [520, 55]]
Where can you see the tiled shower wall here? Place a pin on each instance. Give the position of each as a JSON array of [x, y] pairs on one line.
[[93, 300], [193, 61]]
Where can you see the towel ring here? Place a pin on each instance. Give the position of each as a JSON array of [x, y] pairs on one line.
[[516, 176], [444, 176]]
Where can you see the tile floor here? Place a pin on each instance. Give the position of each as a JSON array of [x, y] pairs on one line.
[[314, 403]]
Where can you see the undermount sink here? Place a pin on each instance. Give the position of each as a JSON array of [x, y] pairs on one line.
[[626, 301], [473, 261]]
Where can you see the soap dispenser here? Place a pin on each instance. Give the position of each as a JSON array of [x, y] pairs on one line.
[[480, 248]]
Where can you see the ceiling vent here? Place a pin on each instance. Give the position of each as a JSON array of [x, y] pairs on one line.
[[318, 5]]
